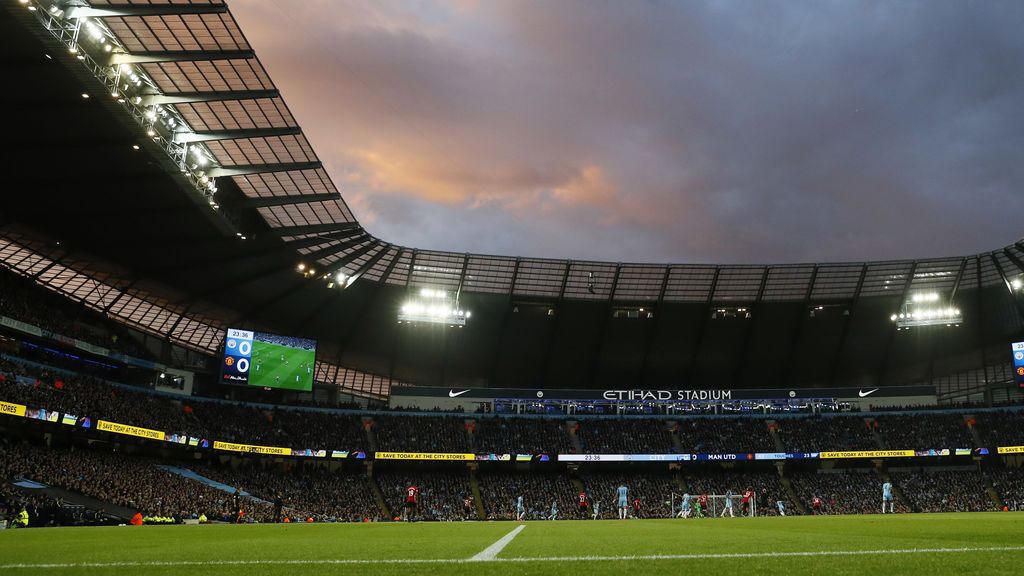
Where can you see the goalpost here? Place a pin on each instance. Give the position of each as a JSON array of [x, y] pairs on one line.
[[716, 505]]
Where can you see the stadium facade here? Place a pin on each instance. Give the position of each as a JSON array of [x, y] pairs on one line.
[[160, 179]]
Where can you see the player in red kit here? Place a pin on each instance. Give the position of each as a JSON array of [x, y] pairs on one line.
[[636, 507], [412, 499], [816, 505], [703, 500], [584, 503], [746, 502]]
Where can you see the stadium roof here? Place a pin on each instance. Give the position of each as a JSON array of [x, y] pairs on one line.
[[183, 79], [195, 62]]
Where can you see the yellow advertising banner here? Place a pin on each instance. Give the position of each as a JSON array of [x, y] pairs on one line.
[[868, 454], [1010, 450], [129, 430], [422, 456], [12, 409], [232, 447]]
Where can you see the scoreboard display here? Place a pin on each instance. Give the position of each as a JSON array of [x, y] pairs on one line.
[[268, 360], [1018, 363]]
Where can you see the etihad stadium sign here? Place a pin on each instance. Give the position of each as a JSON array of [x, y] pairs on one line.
[[920, 394], [666, 395]]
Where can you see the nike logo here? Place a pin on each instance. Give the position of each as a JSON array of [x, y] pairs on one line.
[[454, 394], [862, 393]]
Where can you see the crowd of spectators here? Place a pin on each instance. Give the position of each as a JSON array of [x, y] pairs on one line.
[[521, 436], [441, 495], [313, 492], [768, 490], [538, 490], [1009, 484], [624, 436], [946, 491], [848, 492], [1001, 427], [85, 396], [284, 427], [818, 434], [306, 428], [123, 481], [322, 495], [725, 435], [421, 433], [23, 300], [917, 432]]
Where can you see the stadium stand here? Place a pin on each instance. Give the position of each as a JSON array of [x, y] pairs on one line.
[[421, 434], [1009, 485], [1001, 427], [816, 434], [624, 436], [326, 496], [345, 496], [123, 481], [82, 395], [298, 427], [931, 431], [725, 435], [521, 436], [945, 491]]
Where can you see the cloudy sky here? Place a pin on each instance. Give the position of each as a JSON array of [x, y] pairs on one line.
[[719, 131]]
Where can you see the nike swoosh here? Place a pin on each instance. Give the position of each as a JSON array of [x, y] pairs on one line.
[[453, 393], [862, 393]]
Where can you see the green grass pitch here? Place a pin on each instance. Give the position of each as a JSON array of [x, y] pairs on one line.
[[273, 373], [985, 543]]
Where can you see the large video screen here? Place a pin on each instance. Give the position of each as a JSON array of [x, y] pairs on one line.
[[268, 360], [1018, 362]]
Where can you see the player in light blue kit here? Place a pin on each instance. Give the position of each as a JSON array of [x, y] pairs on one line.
[[781, 506], [684, 508], [728, 504], [554, 511], [887, 497], [597, 510], [520, 509], [623, 493]]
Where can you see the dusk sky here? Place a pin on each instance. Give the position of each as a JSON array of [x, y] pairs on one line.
[[751, 131]]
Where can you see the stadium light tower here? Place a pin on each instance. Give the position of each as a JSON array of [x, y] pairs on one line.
[[926, 309], [432, 306]]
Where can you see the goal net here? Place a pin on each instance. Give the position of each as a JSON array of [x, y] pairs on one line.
[[716, 505]]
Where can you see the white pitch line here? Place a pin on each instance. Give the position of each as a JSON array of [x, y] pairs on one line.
[[520, 559], [492, 551]]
